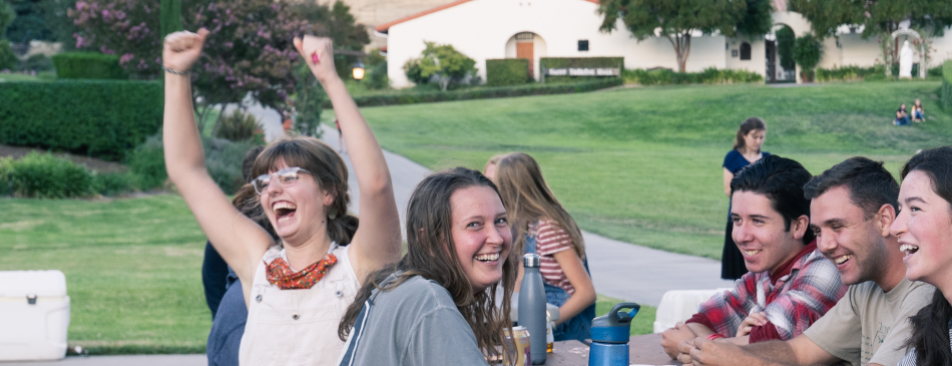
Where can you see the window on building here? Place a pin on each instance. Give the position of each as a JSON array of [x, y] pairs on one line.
[[745, 51], [583, 45]]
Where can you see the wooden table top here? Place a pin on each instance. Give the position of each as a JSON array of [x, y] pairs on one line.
[[643, 349]]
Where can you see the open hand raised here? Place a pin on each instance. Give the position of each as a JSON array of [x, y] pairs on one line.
[[182, 49], [318, 53]]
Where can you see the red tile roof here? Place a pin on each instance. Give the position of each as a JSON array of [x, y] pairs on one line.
[[383, 28]]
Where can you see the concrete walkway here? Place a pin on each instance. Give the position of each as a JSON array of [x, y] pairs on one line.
[[620, 270]]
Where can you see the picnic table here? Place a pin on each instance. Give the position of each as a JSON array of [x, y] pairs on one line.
[[642, 350]]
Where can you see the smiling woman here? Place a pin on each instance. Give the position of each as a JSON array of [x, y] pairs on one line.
[[924, 230], [437, 305]]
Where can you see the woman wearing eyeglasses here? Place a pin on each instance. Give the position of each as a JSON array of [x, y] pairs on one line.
[[297, 289]]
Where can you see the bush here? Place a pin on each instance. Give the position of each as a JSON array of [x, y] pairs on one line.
[[222, 159], [46, 176], [507, 71], [148, 162], [378, 79], [935, 72], [38, 62], [111, 184], [8, 60], [946, 97], [708, 76], [6, 170], [850, 73], [481, 93], [88, 65], [807, 52], [99, 118], [237, 126]]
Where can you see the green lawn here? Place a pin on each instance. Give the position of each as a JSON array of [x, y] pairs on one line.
[[643, 165]]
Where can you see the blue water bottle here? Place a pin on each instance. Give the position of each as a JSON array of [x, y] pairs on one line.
[[532, 307], [610, 335]]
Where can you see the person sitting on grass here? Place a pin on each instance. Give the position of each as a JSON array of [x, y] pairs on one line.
[[924, 230], [436, 306], [853, 206], [918, 115], [297, 289], [790, 284], [902, 117]]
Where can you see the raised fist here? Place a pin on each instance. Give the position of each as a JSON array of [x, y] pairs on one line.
[[318, 53], [182, 49]]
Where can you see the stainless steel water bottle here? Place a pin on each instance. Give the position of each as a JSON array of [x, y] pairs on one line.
[[532, 307]]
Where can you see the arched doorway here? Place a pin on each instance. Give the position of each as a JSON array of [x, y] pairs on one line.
[[527, 45], [909, 35], [779, 58]]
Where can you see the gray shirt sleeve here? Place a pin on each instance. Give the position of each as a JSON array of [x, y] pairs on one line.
[[837, 332], [443, 337]]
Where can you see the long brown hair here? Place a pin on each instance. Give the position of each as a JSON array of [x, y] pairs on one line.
[[431, 253], [930, 326], [527, 199], [328, 170], [751, 124]]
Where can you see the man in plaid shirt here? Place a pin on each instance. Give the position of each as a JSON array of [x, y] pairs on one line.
[[790, 284]]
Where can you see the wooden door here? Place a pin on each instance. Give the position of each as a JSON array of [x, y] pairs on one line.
[[525, 50]]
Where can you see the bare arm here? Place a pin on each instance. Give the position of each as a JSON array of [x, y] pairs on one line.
[[377, 241], [798, 351], [728, 176], [584, 289], [239, 240]]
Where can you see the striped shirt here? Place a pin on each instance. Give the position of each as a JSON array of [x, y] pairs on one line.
[[910, 358], [551, 239]]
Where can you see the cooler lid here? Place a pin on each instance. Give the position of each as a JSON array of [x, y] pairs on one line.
[[39, 283]]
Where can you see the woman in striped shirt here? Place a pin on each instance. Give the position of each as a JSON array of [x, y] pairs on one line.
[[540, 225]]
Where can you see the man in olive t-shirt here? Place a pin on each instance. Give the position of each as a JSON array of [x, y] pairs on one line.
[[853, 205]]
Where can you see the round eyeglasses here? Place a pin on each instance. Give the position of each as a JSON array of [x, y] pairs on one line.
[[284, 177]]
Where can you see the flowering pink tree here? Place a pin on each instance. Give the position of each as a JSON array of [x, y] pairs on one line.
[[127, 27]]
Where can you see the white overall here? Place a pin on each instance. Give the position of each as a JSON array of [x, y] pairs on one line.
[[297, 327]]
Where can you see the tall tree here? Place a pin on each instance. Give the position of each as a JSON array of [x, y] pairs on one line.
[[676, 19]]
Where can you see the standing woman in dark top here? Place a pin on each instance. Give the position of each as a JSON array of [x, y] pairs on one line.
[[750, 136]]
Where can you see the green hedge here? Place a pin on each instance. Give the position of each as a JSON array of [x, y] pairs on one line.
[[947, 86], [708, 76], [586, 62], [851, 73], [100, 118], [482, 93], [46, 176], [507, 71], [88, 65]]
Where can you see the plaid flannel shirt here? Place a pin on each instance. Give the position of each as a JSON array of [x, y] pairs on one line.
[[792, 304]]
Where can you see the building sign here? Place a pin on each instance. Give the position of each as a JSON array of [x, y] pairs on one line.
[[581, 71]]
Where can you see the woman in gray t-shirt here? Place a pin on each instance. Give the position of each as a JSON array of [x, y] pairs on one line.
[[436, 306]]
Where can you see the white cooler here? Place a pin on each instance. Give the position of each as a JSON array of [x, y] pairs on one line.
[[34, 315], [679, 305]]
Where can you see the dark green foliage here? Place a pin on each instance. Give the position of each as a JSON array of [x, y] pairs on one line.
[[223, 160], [585, 62], [414, 72], [946, 97], [807, 52], [336, 22], [507, 71], [708, 76], [46, 176], [37, 62], [850, 73], [88, 65], [170, 13], [148, 162], [377, 78], [309, 96], [482, 93], [880, 16], [8, 59], [237, 126], [100, 118], [757, 19], [935, 72], [29, 23], [61, 28], [7, 15], [111, 184], [785, 39], [443, 63]]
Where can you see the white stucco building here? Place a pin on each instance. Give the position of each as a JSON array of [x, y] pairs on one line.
[[492, 29]]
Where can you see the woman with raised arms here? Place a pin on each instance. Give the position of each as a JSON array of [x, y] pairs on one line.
[[297, 289]]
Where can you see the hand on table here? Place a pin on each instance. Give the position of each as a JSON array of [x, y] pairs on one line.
[[671, 338], [755, 319], [702, 351], [181, 49], [318, 53]]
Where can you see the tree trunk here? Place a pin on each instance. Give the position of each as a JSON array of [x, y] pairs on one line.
[[681, 42], [444, 82]]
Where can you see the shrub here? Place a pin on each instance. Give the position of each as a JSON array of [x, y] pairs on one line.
[[850, 73], [237, 126], [807, 52], [378, 79], [443, 63], [8, 60], [38, 62], [708, 76], [935, 72], [5, 170], [100, 118], [507, 71], [111, 184], [46, 176], [222, 159], [148, 162], [88, 65], [404, 97]]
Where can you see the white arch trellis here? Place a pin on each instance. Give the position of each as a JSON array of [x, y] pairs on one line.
[[922, 51]]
